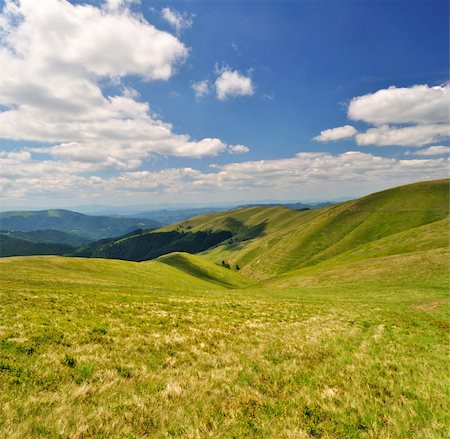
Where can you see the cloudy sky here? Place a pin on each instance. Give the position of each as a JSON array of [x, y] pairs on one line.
[[127, 102]]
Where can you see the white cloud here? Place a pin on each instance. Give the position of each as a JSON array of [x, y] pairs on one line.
[[412, 117], [123, 156], [92, 41], [26, 177], [431, 151], [230, 83], [339, 133], [238, 149], [416, 135], [208, 147], [55, 56], [419, 104], [177, 20], [201, 88]]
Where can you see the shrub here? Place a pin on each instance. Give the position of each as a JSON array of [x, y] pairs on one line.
[[69, 360]]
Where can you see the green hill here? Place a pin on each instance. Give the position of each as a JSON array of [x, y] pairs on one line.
[[268, 242], [89, 227], [58, 273], [39, 242], [203, 269], [192, 236]]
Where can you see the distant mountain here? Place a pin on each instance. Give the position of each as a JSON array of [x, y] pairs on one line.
[[88, 227], [167, 213], [170, 216]]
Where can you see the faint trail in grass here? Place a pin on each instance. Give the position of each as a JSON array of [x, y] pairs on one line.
[[431, 306]]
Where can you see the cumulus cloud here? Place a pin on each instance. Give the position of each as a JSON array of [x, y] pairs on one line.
[[231, 83], [238, 149], [112, 155], [55, 56], [416, 135], [201, 88], [406, 116], [431, 151], [339, 133], [419, 104], [179, 21]]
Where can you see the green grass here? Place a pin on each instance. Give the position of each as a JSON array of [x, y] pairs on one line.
[[52, 272], [100, 348], [206, 270], [292, 239]]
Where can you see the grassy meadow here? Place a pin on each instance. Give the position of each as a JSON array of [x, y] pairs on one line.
[[99, 348]]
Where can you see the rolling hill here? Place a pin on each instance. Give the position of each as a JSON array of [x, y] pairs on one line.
[[203, 269], [85, 226], [267, 241], [336, 326], [167, 274]]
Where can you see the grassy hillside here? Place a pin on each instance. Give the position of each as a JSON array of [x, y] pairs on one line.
[[61, 273], [267, 241], [134, 350], [90, 227], [271, 241], [192, 236], [201, 268]]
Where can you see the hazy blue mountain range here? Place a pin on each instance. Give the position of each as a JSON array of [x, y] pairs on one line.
[[85, 226]]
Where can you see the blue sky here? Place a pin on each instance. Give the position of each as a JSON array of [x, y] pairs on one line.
[[288, 69], [311, 56]]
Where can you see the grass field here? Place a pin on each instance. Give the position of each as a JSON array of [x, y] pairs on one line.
[[99, 349], [349, 340]]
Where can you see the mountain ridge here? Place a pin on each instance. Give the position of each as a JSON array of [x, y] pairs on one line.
[[86, 226]]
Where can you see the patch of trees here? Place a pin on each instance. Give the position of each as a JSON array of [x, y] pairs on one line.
[[18, 247], [227, 265], [142, 247]]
